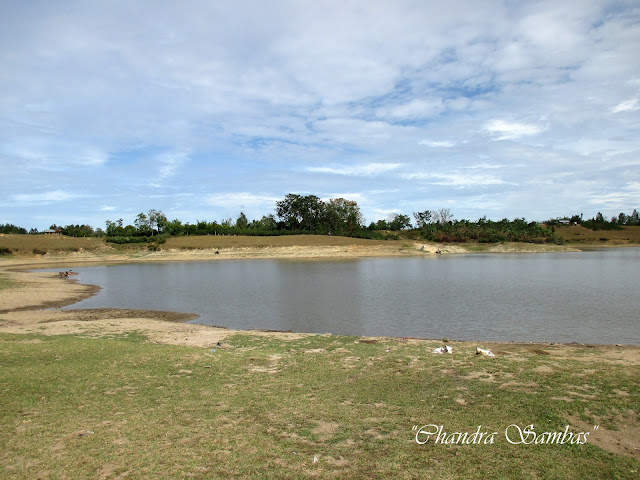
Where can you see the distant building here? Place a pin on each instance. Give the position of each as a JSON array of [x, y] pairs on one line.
[[49, 231]]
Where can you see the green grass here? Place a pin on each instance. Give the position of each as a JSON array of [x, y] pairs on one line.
[[260, 407]]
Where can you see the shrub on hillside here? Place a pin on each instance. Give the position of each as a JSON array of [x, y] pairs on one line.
[[126, 240]]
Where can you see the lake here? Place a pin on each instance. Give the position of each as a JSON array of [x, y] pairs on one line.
[[584, 297]]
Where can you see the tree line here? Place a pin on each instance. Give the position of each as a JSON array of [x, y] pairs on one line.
[[439, 226], [308, 214], [295, 214], [599, 222], [11, 228]]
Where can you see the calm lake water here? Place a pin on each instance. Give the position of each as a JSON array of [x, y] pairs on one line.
[[585, 297]]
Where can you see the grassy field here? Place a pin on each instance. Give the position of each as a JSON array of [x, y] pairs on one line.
[[48, 243], [220, 241], [28, 244], [321, 406], [43, 244], [577, 234]]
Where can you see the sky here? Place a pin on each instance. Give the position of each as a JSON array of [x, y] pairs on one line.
[[203, 109]]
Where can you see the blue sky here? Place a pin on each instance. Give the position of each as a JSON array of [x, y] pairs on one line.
[[203, 109]]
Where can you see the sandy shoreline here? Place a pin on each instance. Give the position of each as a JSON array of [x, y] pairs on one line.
[[30, 304]]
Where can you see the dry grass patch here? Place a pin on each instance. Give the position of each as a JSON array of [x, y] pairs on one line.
[[580, 234], [49, 243], [225, 241]]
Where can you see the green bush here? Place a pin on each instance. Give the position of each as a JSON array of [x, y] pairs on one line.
[[161, 239], [39, 251], [126, 240], [600, 225], [5, 251]]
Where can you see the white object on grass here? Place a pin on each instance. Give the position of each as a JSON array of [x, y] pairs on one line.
[[445, 349], [487, 353]]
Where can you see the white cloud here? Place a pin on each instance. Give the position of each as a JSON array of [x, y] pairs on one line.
[[356, 131], [370, 169], [91, 157], [414, 109], [52, 196], [52, 154], [240, 200], [357, 197], [628, 106], [456, 179], [605, 147], [622, 200], [511, 130], [489, 166], [437, 143], [170, 164]]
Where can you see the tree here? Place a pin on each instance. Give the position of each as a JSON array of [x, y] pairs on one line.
[[622, 219], [11, 228], [398, 222], [157, 220], [382, 225], [422, 218], [242, 221], [114, 228], [341, 215], [442, 216], [78, 231], [175, 227], [142, 224], [110, 228], [267, 222], [299, 212], [129, 231]]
